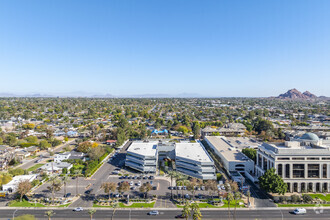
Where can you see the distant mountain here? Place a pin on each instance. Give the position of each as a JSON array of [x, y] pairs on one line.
[[295, 94], [310, 95]]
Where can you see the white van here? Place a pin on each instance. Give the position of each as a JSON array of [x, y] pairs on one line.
[[299, 211]]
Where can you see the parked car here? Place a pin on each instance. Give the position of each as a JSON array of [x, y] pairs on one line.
[[153, 213], [187, 196], [115, 172], [203, 188], [180, 216], [88, 191], [151, 177], [299, 211], [131, 183], [78, 209], [138, 183]]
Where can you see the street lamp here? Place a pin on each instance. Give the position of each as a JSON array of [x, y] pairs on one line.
[[14, 214]]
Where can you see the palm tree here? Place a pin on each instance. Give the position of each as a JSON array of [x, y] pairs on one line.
[[186, 210], [197, 215], [178, 176], [49, 214], [91, 213], [115, 206], [183, 182], [237, 197], [230, 198], [55, 185], [172, 174], [65, 179]]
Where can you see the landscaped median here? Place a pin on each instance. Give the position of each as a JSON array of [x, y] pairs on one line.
[[223, 204], [130, 205], [306, 200], [26, 203]]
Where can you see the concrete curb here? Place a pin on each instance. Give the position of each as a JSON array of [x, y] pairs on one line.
[[211, 209]]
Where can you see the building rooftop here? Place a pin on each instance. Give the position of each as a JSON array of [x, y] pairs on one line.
[[226, 149], [192, 151], [144, 148], [242, 142], [295, 148]]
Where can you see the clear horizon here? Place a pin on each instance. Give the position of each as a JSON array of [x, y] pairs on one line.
[[123, 48]]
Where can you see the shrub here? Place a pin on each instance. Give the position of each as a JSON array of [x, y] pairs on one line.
[[295, 198], [307, 198]]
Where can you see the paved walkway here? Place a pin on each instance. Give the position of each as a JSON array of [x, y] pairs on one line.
[[162, 202]]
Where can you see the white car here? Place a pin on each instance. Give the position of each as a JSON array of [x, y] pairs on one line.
[[299, 211], [78, 209], [138, 183], [131, 183], [153, 213]]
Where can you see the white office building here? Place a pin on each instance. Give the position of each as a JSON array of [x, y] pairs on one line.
[[303, 164], [142, 156], [193, 160]]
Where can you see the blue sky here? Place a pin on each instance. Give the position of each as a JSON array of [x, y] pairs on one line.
[[213, 48]]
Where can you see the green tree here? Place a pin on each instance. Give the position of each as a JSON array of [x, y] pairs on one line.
[[271, 182], [84, 146], [250, 153], [196, 130], [44, 145], [32, 139]]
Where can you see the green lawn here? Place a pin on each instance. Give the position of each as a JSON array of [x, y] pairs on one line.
[[201, 205], [25, 203], [134, 205], [35, 167], [207, 205], [320, 196]]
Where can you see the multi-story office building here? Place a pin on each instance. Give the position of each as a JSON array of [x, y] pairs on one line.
[[193, 160], [304, 164], [190, 158], [142, 156]]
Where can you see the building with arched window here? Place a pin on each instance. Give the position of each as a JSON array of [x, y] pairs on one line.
[[303, 164]]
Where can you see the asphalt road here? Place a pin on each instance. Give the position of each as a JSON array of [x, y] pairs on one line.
[[260, 198], [169, 214]]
